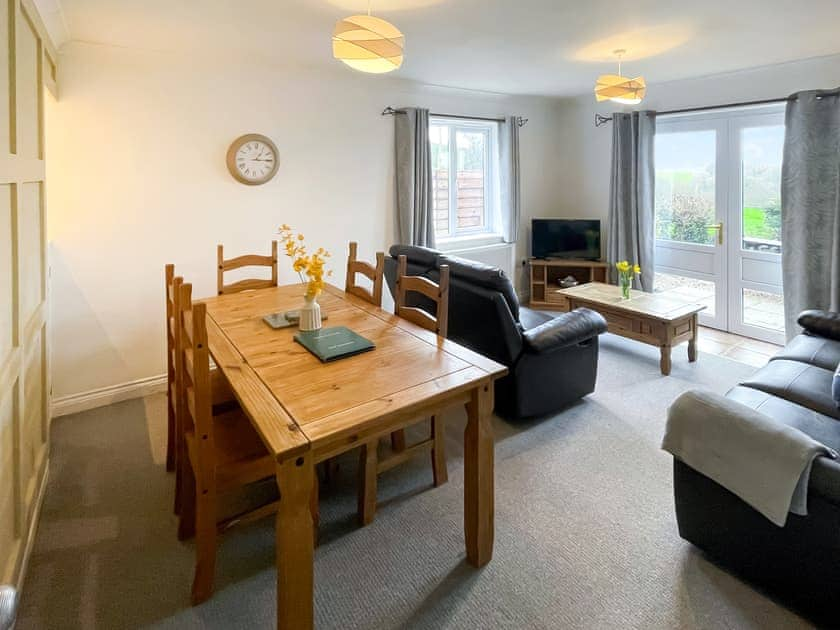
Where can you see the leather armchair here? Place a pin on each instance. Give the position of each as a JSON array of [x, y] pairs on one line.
[[553, 361]]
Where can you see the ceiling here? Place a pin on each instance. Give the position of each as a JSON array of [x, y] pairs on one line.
[[546, 47]]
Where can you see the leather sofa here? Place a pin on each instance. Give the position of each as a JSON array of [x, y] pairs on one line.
[[800, 562], [553, 361]]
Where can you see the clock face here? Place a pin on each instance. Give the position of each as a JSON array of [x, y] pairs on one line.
[[252, 159]]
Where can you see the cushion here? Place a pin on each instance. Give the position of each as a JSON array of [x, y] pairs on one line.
[[822, 323], [819, 351], [819, 426], [835, 387], [424, 256], [531, 319], [799, 383], [825, 474], [482, 275]]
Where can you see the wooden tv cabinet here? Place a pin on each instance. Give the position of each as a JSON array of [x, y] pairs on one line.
[[545, 274]]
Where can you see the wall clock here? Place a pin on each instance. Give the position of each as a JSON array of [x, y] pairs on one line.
[[252, 159]]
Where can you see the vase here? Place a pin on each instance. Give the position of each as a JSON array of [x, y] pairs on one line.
[[624, 283], [310, 315]]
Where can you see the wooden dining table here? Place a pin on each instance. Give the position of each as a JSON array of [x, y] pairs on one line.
[[307, 411]]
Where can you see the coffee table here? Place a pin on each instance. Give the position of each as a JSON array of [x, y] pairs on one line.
[[659, 319]]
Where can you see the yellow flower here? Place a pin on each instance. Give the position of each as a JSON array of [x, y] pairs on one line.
[[310, 266], [637, 269], [623, 266]]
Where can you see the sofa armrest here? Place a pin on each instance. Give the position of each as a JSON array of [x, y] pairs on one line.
[[564, 330], [823, 323]]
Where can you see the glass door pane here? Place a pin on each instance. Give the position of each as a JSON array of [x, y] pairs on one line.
[[761, 195], [685, 186], [687, 201], [756, 291]]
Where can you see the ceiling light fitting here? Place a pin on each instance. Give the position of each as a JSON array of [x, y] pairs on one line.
[[619, 89], [368, 44]]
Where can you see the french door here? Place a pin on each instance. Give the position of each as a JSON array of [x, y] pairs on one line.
[[718, 216]]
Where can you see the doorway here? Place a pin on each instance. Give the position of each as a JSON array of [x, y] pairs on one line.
[[718, 216]]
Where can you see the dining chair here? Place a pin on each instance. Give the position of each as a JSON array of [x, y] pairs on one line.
[[374, 274], [370, 466], [222, 394], [169, 277], [219, 452], [248, 260]]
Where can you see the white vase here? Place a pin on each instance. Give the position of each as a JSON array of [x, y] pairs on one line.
[[310, 315]]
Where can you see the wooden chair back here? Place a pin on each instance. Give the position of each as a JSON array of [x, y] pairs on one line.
[[193, 374], [374, 274], [437, 293], [249, 260], [171, 350]]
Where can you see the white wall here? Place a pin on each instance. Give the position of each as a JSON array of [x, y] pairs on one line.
[[136, 147], [584, 171]]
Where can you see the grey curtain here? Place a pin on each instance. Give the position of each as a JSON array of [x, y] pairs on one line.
[[414, 177], [631, 230], [811, 205], [509, 177]]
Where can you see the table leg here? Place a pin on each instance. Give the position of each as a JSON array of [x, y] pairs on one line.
[[692, 343], [295, 543], [478, 476], [665, 360], [368, 464]]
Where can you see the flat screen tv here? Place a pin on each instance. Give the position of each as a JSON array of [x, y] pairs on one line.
[[566, 238]]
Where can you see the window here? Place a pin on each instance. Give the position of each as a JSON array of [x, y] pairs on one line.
[[465, 180]]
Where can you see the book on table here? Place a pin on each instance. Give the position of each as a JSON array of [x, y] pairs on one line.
[[337, 342]]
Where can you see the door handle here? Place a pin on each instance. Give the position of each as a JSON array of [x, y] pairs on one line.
[[719, 228]]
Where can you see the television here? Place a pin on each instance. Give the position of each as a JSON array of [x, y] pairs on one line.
[[566, 238]]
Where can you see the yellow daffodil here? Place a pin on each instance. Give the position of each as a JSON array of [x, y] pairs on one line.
[[637, 269]]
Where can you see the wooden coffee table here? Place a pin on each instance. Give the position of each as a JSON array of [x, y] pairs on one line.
[[659, 319]]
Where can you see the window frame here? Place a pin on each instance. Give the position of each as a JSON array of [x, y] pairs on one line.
[[490, 228]]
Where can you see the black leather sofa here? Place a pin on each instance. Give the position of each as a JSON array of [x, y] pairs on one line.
[[800, 562], [553, 361]]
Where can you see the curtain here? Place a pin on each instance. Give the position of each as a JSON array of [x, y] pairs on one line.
[[414, 177], [631, 230], [509, 178], [811, 205]]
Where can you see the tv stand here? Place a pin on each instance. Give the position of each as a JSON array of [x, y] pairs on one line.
[[547, 272]]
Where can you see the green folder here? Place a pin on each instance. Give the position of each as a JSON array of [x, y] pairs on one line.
[[329, 344]]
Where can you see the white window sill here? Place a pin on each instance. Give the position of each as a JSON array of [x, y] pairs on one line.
[[472, 241]]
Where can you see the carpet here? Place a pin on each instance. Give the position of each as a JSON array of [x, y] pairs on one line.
[[585, 530]]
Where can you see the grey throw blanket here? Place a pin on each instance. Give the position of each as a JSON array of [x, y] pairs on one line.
[[765, 463]]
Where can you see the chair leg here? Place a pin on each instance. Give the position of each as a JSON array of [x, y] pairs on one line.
[[331, 471], [170, 436], [205, 543], [181, 463], [367, 482], [398, 440], [186, 500], [439, 451]]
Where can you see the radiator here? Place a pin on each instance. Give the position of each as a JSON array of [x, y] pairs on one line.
[[496, 255]]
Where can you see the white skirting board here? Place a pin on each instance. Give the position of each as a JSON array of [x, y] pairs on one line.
[[83, 401]]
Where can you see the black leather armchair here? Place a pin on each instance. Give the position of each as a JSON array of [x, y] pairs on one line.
[[553, 361]]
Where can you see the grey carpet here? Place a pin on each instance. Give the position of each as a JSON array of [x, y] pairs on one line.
[[585, 529]]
